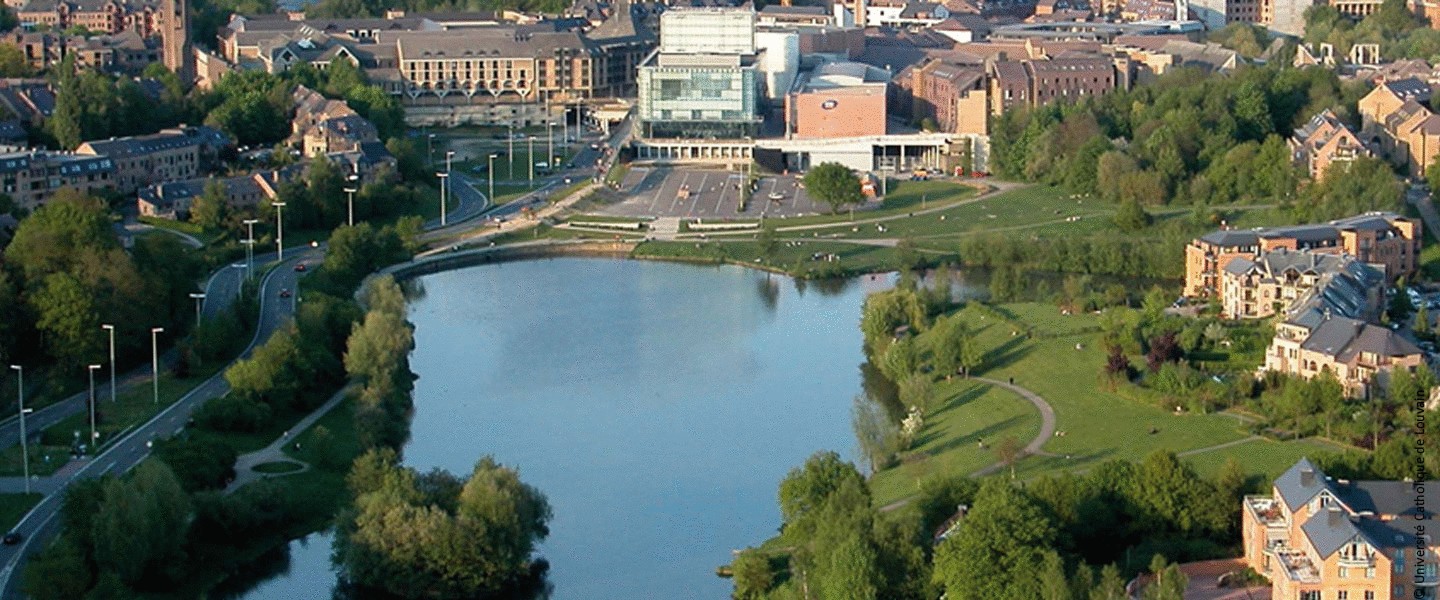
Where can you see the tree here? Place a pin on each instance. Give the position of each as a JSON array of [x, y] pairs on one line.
[[1009, 451], [1131, 216], [140, 527], [1422, 321], [1053, 583], [753, 576], [413, 538], [210, 209], [805, 489], [1169, 582], [833, 184], [877, 433], [13, 62], [999, 550], [1111, 586]]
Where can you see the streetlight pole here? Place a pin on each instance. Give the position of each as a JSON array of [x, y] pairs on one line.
[[279, 230], [430, 149], [550, 139], [350, 204], [511, 139], [93, 435], [491, 199], [443, 176], [250, 247], [111, 329], [531, 139], [24, 446], [155, 361], [448, 155], [199, 300]]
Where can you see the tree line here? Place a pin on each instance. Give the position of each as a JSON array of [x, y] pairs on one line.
[[1067, 537]]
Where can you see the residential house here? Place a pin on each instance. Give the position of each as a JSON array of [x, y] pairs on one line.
[[1316, 537], [173, 154], [172, 200], [1325, 140], [322, 125], [1387, 240], [1254, 288]]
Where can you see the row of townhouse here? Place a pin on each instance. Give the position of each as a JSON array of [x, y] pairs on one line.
[[1318, 538], [1394, 118], [368, 161], [97, 16]]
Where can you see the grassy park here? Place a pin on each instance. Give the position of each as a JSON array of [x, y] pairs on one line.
[[1061, 361]]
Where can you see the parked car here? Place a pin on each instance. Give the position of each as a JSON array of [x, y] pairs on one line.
[[285, 293]]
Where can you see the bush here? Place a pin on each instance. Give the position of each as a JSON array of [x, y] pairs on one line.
[[233, 413]]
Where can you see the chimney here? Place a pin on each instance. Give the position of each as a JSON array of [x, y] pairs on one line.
[[1334, 516], [1307, 475]]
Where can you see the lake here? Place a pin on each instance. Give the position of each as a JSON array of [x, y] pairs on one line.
[[657, 405]]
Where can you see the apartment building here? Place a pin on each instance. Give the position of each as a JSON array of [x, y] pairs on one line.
[[953, 94], [1387, 240], [1283, 16], [1037, 82], [1394, 117], [324, 126], [1325, 140], [171, 155], [1318, 538], [30, 177], [1255, 288], [451, 60]]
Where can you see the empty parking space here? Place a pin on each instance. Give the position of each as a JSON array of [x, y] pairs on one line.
[[709, 194]]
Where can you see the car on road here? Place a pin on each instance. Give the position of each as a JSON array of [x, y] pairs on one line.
[[595, 146], [285, 292], [12, 538], [300, 267], [777, 196]]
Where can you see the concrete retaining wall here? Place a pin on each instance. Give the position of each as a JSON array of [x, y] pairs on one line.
[[480, 256]]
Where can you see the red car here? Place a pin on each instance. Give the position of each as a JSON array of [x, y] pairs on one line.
[[285, 293], [299, 267]]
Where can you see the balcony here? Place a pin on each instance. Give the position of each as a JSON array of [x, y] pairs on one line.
[[1266, 509], [1297, 566]]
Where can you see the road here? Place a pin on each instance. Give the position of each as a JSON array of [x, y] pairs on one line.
[[38, 526], [1419, 196], [221, 288]]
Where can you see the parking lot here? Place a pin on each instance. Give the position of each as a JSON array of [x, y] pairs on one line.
[[709, 194]]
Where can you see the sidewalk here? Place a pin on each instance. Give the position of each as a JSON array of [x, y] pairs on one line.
[[245, 464]]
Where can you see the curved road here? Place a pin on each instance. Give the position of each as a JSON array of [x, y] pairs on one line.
[[40, 524]]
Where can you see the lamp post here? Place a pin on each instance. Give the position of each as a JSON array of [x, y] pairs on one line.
[[93, 435], [279, 230], [430, 148], [199, 300], [111, 329], [250, 247], [550, 139], [492, 179], [443, 176], [448, 155], [511, 155], [531, 140], [155, 361], [350, 203], [24, 446]]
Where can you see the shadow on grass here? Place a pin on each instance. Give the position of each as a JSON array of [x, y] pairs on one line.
[[1007, 354], [975, 437]]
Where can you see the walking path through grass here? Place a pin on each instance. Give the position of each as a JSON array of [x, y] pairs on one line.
[[1047, 431], [246, 470]]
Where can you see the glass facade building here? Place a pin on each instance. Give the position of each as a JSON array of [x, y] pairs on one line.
[[703, 83]]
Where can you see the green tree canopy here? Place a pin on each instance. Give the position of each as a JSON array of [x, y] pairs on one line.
[[833, 184]]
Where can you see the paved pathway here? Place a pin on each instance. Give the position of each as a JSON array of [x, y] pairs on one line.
[[245, 464], [1047, 431], [1219, 446]]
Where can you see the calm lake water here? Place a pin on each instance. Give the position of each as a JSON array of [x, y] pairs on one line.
[[657, 405]]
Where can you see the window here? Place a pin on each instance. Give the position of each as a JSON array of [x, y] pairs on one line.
[[1369, 595], [1344, 572], [1310, 595], [1342, 594], [1370, 573]]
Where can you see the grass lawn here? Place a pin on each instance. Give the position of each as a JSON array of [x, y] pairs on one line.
[[794, 257], [340, 422], [904, 196], [1262, 457], [971, 412], [477, 167], [1025, 208], [14, 506], [1061, 361]]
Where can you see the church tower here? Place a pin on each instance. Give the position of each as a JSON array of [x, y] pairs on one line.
[[175, 35]]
